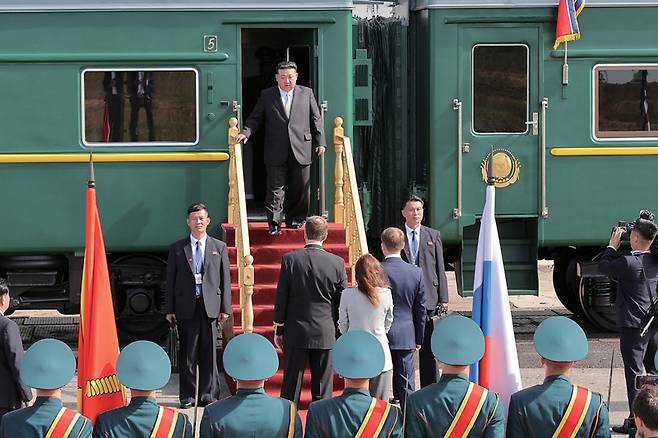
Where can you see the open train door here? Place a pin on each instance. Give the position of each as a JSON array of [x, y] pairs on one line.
[[502, 109]]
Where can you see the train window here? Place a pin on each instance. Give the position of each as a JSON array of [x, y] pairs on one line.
[[625, 101], [139, 107], [500, 88]]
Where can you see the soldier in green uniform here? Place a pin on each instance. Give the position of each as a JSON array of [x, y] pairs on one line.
[[453, 406], [251, 359], [143, 367], [357, 357], [47, 366], [557, 407]]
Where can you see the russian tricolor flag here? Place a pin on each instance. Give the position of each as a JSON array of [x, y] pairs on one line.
[[567, 21], [498, 370]]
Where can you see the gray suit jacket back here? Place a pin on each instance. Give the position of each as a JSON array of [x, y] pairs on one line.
[[430, 260], [13, 390], [300, 132], [181, 290], [308, 296]]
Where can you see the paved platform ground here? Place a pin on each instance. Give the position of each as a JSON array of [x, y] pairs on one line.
[[527, 313]]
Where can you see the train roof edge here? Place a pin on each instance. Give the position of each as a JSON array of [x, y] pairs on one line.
[[170, 5], [418, 5]]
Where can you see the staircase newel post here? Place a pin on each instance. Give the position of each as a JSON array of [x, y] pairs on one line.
[[247, 292], [232, 133], [339, 203]]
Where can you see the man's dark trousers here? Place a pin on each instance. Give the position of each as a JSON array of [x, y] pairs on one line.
[[322, 378], [426, 360], [288, 186], [638, 353], [195, 333], [403, 374]]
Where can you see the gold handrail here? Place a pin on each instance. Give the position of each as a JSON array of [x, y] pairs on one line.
[[347, 203], [237, 216]]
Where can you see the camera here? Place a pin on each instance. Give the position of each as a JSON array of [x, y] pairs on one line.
[[647, 379], [627, 227]]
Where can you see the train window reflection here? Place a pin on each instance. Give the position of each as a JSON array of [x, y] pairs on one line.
[[500, 88], [131, 106], [626, 98]]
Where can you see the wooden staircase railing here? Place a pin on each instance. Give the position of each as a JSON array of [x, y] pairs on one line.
[[347, 204], [237, 216]]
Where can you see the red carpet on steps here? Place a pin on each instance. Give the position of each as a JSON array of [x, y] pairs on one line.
[[267, 252]]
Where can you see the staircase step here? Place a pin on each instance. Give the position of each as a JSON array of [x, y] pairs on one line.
[[263, 314], [274, 252], [263, 294], [258, 235]]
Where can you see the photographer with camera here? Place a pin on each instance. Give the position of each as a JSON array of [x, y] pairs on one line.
[[636, 275]]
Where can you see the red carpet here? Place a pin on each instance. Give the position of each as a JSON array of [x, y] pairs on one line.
[[267, 251]]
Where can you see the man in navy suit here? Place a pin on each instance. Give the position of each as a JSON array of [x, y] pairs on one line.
[[409, 314]]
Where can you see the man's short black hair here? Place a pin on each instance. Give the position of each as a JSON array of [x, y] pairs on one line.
[[196, 207], [413, 198], [283, 65], [645, 406], [4, 288], [646, 229]]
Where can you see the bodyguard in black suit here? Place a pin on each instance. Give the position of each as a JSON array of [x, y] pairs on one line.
[[198, 295], [14, 392], [293, 123], [306, 312], [424, 249], [636, 274], [409, 313]]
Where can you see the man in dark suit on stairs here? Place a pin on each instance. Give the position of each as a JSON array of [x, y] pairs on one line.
[[293, 123], [409, 313], [423, 248], [198, 295], [14, 392], [306, 312]]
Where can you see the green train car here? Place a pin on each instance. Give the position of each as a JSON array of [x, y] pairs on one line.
[[573, 151], [148, 87]]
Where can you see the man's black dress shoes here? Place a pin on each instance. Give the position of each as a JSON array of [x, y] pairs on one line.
[[295, 224], [274, 229], [186, 404], [626, 428]]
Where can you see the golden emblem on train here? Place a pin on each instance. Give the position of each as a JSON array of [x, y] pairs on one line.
[[506, 167]]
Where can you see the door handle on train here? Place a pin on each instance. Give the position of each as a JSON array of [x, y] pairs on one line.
[[535, 123]]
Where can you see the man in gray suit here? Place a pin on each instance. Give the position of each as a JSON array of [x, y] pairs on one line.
[[14, 392], [198, 295], [293, 123], [423, 248]]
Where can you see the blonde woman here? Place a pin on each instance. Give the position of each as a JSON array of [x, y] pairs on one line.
[[369, 307]]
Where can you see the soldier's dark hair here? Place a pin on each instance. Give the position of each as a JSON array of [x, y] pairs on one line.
[[196, 207], [286, 65], [413, 198], [393, 239], [316, 228], [645, 406], [4, 288]]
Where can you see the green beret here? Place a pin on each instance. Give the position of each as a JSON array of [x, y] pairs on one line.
[[250, 356], [561, 340], [458, 341], [143, 365], [358, 355], [47, 364]]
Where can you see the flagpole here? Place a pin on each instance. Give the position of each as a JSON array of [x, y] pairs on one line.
[[491, 177], [565, 66], [91, 183]]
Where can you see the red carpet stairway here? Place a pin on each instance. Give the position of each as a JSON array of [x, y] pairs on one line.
[[267, 252]]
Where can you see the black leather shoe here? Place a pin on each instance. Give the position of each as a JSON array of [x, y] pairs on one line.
[[626, 428], [274, 229], [296, 224], [186, 404]]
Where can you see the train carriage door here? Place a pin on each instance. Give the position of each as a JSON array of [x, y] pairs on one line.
[[501, 109]]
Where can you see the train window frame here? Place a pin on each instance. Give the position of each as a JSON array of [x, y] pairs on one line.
[[527, 99], [94, 144], [623, 135]]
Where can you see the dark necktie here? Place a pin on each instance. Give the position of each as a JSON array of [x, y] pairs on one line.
[[414, 247], [198, 265]]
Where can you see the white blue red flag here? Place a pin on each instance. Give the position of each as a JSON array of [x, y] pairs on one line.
[[567, 21], [498, 370]]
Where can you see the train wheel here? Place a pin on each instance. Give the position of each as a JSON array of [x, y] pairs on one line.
[[566, 281], [596, 299], [138, 289]]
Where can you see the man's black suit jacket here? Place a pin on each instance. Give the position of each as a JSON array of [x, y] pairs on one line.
[[632, 303], [430, 261], [308, 296], [13, 391], [301, 132], [409, 313], [180, 293]]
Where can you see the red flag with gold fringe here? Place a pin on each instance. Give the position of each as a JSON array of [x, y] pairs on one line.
[[99, 389]]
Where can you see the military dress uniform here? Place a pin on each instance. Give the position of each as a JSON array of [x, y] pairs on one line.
[[143, 366], [454, 406], [557, 407], [48, 364], [251, 358], [355, 413]]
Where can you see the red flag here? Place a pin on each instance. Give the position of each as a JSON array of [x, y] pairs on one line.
[[567, 21], [99, 389]]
